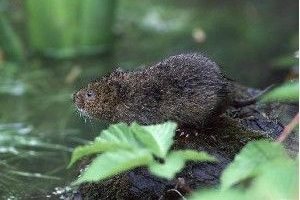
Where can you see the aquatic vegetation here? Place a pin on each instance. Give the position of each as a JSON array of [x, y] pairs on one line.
[[122, 147]]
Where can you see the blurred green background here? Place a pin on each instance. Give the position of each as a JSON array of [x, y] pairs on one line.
[[48, 49]]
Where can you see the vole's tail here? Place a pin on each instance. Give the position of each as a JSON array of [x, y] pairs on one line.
[[252, 100]]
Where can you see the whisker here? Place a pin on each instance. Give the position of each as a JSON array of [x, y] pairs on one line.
[[82, 114]]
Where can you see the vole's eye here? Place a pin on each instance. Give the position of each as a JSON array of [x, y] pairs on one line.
[[90, 95]]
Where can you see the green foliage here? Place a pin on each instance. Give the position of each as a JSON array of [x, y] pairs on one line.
[[285, 62], [126, 147], [114, 138], [262, 170], [95, 14], [155, 138], [93, 148], [112, 163], [248, 162], [277, 180], [175, 161], [288, 92], [72, 26], [10, 41]]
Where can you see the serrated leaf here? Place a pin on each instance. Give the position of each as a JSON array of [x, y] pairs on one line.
[[173, 164], [288, 92], [111, 163], [278, 180], [94, 148], [129, 147], [120, 134], [175, 161], [248, 162], [116, 137], [158, 138]]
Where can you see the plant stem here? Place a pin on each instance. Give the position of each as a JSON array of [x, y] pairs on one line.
[[288, 128]]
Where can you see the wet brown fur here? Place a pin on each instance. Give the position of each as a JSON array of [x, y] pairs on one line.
[[188, 88]]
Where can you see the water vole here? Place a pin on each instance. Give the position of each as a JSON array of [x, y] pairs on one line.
[[188, 88]]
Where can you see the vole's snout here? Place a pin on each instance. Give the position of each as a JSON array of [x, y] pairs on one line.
[[73, 96], [82, 97], [78, 99]]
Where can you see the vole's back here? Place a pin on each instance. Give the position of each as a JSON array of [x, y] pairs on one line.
[[187, 88]]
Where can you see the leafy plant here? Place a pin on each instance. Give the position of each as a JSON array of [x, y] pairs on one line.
[[72, 26], [288, 92], [285, 62], [262, 170], [122, 147], [250, 160], [10, 42]]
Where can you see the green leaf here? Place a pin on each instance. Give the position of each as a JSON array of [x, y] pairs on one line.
[[285, 62], [116, 137], [248, 162], [125, 148], [288, 92], [157, 138], [93, 148], [278, 180], [175, 161], [111, 163], [173, 164], [120, 134], [274, 175], [219, 195]]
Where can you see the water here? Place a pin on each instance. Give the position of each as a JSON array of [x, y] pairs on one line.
[[39, 126]]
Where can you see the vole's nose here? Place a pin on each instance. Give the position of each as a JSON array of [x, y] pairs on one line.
[[78, 99], [75, 96]]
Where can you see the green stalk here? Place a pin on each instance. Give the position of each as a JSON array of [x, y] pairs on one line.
[[66, 28], [52, 26], [96, 20], [10, 42]]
